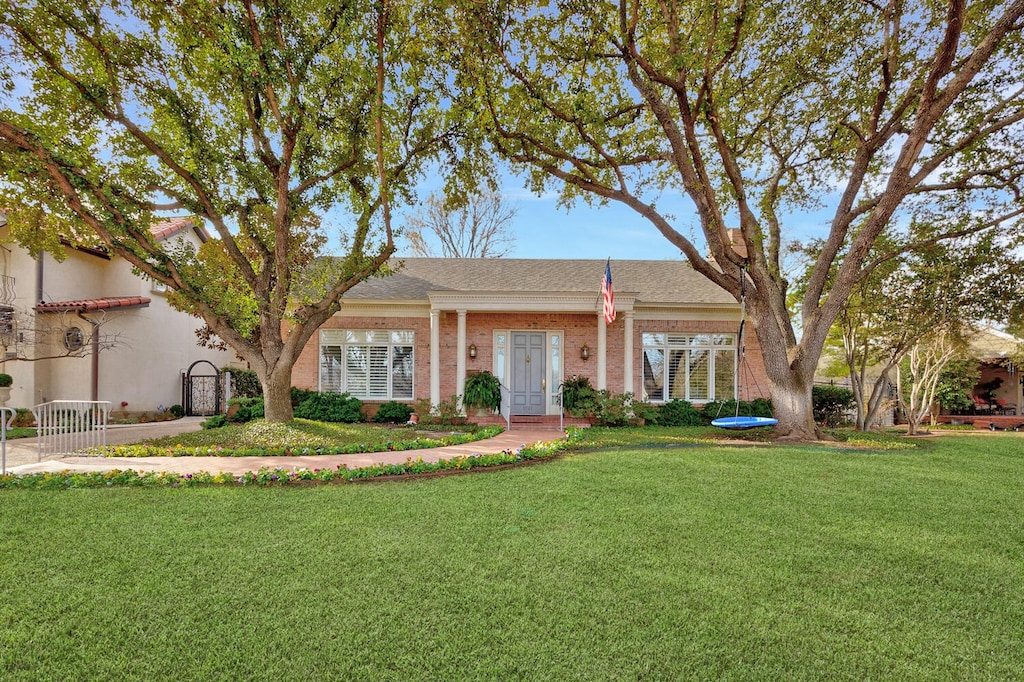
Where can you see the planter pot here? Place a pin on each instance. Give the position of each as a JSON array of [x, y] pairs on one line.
[[5, 395]]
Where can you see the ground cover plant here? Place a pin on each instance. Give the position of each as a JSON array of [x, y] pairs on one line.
[[299, 436], [740, 562]]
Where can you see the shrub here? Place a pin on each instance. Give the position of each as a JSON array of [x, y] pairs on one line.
[[6, 380], [578, 396], [619, 409], [445, 413], [177, 411], [215, 422], [760, 407], [24, 417], [244, 383], [248, 409], [393, 413], [830, 404], [678, 413], [301, 394], [330, 407]]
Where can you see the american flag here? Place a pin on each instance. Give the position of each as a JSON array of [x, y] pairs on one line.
[[608, 294]]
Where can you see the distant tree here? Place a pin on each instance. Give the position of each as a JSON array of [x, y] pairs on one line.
[[264, 120], [918, 375], [479, 228]]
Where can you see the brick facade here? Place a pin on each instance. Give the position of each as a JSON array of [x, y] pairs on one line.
[[577, 329]]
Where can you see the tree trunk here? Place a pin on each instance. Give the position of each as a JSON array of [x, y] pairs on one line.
[[277, 395]]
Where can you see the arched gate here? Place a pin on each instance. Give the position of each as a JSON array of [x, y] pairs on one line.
[[202, 391]]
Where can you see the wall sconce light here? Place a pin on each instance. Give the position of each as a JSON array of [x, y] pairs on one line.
[[584, 352], [472, 351]]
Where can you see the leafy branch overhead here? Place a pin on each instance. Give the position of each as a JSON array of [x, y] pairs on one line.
[[282, 128]]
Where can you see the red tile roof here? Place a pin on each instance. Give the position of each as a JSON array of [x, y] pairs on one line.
[[88, 304], [169, 228]]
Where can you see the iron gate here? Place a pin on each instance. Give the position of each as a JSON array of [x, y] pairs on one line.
[[202, 391]]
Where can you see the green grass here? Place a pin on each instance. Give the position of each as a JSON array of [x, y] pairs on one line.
[[691, 562]]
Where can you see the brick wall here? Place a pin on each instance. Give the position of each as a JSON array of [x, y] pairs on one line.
[[577, 330]]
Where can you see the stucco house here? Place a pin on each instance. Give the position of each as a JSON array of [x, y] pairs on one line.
[[534, 323], [49, 310]]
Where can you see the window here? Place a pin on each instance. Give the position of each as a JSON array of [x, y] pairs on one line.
[[694, 367], [370, 365]]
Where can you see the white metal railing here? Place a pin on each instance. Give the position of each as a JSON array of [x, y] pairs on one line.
[[64, 427], [7, 415], [506, 405]]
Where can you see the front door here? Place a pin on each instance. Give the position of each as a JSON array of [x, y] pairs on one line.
[[528, 373]]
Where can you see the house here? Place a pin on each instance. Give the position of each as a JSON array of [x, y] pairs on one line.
[[999, 388], [534, 323], [88, 328]]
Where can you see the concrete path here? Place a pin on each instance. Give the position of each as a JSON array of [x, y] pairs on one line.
[[23, 458]]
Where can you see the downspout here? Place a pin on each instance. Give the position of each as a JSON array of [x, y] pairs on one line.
[[39, 277], [95, 356]]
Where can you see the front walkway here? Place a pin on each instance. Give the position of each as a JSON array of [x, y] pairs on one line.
[[508, 440]]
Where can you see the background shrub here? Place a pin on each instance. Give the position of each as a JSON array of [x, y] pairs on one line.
[[393, 412], [678, 413], [761, 407], [244, 383], [831, 404], [177, 411], [248, 409], [619, 409], [330, 407]]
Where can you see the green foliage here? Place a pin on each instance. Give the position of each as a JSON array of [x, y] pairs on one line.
[[619, 409], [831, 404], [578, 396], [482, 391], [445, 414], [301, 394], [23, 417], [215, 422], [177, 411], [245, 383], [6, 380], [247, 409], [678, 413], [393, 412], [330, 407], [759, 407], [956, 384]]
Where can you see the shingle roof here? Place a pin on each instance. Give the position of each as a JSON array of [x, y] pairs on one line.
[[87, 304], [653, 282]]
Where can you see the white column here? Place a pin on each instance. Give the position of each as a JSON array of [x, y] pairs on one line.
[[435, 357], [460, 355], [627, 360], [602, 352]]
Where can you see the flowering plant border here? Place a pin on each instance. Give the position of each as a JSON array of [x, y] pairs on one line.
[[281, 476]]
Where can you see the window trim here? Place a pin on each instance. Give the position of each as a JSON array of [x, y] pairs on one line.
[[326, 338], [710, 342]]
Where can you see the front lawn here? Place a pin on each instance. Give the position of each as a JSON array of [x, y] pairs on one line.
[[687, 562]]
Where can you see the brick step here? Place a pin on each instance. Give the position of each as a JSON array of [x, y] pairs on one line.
[[529, 421]]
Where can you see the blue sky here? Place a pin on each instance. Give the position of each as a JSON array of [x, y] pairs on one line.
[[543, 229]]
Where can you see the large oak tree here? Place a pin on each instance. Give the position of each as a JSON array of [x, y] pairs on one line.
[[271, 122], [902, 115]]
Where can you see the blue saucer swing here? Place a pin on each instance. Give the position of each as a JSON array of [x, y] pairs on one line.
[[737, 422]]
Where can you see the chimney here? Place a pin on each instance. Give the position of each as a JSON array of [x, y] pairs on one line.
[[736, 241]]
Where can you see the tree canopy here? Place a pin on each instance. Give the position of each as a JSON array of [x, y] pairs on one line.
[[281, 126], [900, 116]]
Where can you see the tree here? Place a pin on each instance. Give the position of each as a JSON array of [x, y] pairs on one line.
[[942, 288], [480, 228], [900, 114], [917, 377], [265, 120]]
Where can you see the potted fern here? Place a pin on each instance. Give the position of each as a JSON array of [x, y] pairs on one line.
[[482, 392]]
